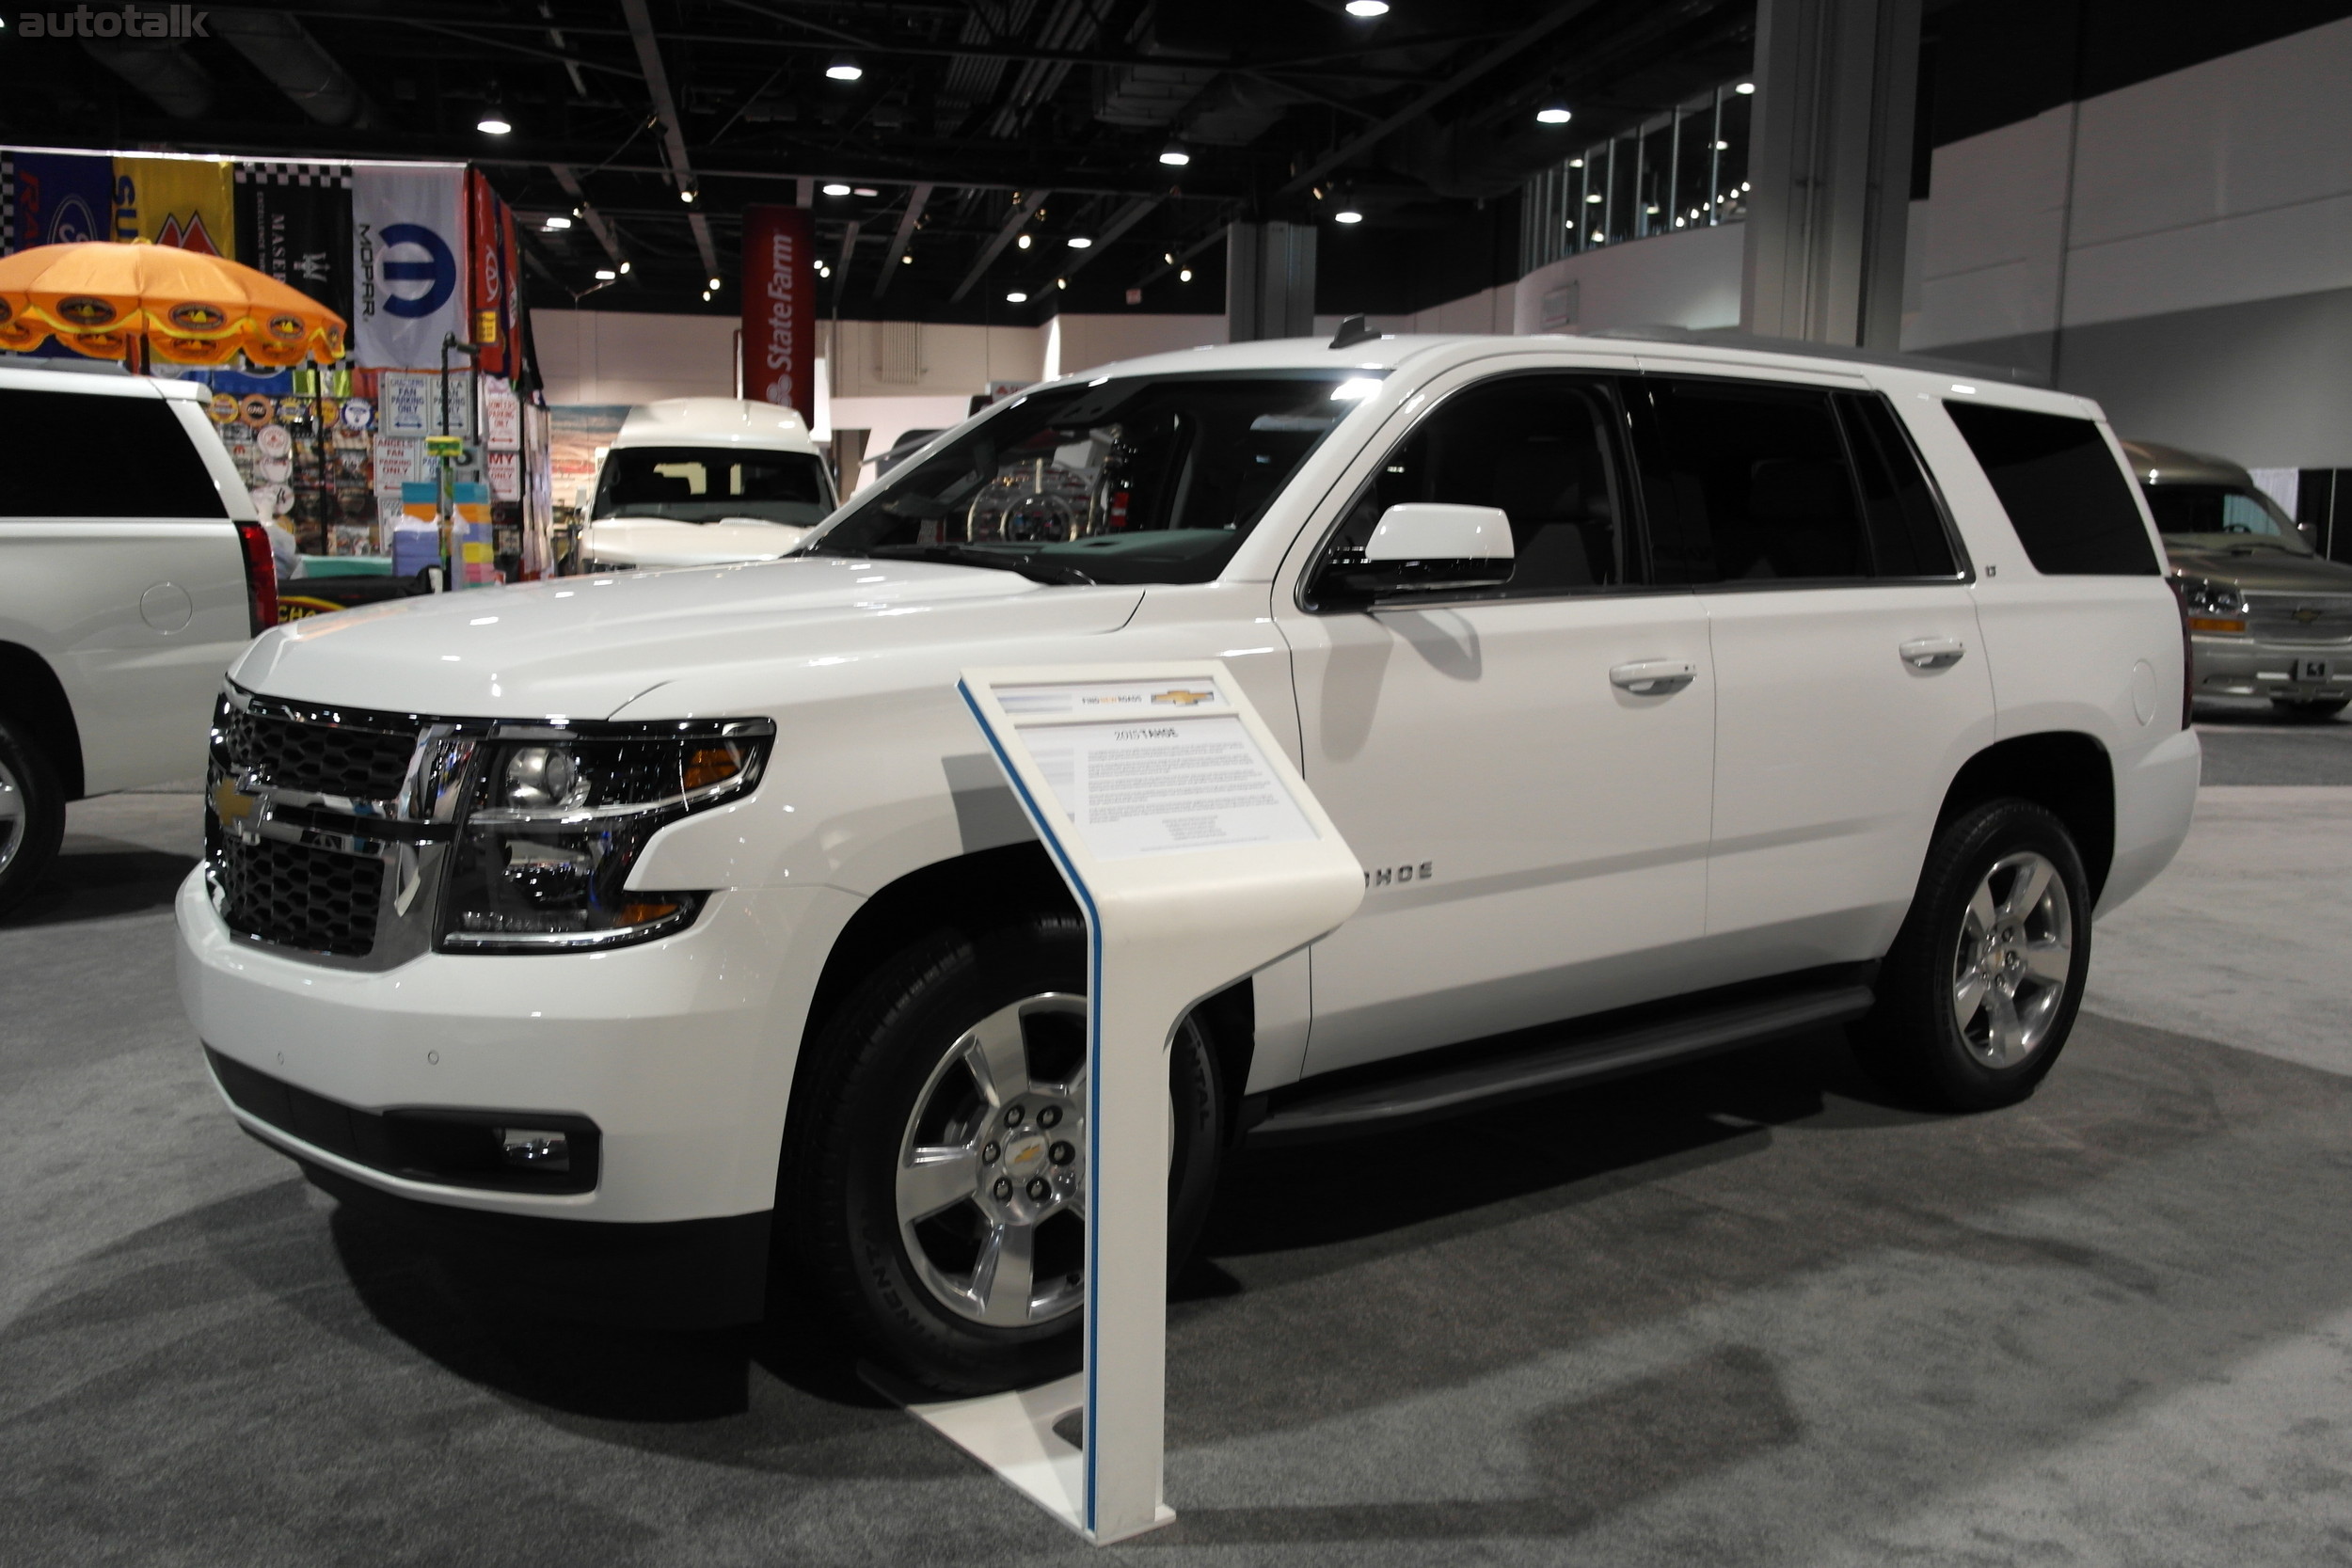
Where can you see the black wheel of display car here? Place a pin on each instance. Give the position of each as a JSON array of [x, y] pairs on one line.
[[942, 1195], [32, 814], [1979, 991], [2310, 710]]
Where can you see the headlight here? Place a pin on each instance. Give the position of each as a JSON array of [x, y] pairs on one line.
[[551, 821], [2214, 608]]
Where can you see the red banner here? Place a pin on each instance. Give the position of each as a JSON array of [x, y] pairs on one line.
[[494, 280], [780, 308]]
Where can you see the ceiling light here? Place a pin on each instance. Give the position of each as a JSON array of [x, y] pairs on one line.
[[1592, 198], [1023, 241], [606, 275], [1367, 9], [706, 297], [493, 123], [1347, 213], [844, 69], [1598, 238], [906, 261], [864, 190], [623, 269], [688, 195], [556, 223], [1016, 297], [1185, 276], [1078, 242], [1722, 146], [1061, 282], [1553, 114], [837, 190], [714, 285], [1168, 256], [1174, 156], [1576, 162], [1744, 88]]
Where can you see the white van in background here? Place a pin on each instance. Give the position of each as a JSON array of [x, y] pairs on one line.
[[698, 481]]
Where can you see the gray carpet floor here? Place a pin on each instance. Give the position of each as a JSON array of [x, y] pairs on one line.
[[1743, 1312]]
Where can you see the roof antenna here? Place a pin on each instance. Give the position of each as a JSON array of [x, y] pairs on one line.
[[1353, 331]]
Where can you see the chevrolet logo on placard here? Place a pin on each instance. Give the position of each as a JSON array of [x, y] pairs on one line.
[[1182, 698]]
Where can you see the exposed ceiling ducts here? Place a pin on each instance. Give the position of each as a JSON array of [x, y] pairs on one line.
[[281, 49], [160, 70]]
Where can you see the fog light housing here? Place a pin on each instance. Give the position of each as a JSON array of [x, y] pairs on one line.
[[535, 1148]]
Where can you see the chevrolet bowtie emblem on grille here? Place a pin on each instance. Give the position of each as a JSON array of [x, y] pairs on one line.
[[1184, 699], [2306, 614]]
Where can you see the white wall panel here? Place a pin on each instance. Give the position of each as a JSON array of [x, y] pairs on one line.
[[1990, 229], [2304, 248], [1690, 278]]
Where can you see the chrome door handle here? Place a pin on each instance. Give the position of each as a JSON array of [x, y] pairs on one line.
[[1932, 652], [1653, 677]]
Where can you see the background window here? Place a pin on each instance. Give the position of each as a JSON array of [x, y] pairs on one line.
[[1757, 480], [2064, 491], [1906, 527], [1539, 447], [67, 454]]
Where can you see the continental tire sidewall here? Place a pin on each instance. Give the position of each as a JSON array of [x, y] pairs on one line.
[[879, 1052], [1912, 1035], [43, 806]]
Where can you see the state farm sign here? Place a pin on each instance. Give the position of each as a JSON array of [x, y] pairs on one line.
[[779, 309]]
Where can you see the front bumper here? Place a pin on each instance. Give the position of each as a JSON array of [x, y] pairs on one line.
[[2248, 667], [680, 1051]]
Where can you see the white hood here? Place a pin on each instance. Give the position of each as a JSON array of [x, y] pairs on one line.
[[666, 541], [583, 646]]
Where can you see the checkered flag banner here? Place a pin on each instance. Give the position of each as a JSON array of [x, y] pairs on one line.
[[251, 173], [7, 201]]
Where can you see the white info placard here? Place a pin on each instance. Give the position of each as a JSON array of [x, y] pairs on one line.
[[1198, 856]]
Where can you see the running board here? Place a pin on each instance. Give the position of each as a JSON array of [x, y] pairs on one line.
[[1454, 1088]]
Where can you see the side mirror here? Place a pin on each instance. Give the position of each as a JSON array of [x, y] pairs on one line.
[[1424, 548], [1437, 532]]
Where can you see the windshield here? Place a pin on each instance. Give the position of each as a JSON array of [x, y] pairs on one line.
[[706, 484], [1138, 480], [2224, 508]]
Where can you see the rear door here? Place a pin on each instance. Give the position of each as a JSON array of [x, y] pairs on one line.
[[1851, 684], [121, 566], [1534, 828]]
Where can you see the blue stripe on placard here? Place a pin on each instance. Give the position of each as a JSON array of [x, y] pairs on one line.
[[1089, 1438]]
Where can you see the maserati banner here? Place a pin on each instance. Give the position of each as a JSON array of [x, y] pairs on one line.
[[780, 308], [293, 222], [408, 249]]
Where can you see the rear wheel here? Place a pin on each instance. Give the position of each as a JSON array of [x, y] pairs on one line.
[[1980, 989], [32, 814], [941, 1193], [2310, 710]]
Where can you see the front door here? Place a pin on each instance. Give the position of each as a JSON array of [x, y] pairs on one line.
[[1525, 772]]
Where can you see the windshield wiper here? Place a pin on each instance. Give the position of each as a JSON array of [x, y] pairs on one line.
[[972, 555]]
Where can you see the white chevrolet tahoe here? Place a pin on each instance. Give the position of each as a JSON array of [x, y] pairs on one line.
[[133, 568], [1678, 696]]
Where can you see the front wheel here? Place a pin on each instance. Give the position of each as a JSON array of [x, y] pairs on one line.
[[1979, 991], [2310, 710], [938, 1182], [32, 814]]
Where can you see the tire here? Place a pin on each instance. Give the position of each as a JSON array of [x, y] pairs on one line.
[[32, 814], [2310, 710], [1978, 993], [899, 1068]]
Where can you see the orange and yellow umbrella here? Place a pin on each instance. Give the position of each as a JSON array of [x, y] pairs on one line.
[[103, 300]]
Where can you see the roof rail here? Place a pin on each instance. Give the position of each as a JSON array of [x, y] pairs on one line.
[[1726, 337]]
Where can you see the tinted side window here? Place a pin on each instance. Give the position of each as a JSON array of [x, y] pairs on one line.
[[1758, 478], [65, 454], [1906, 527], [1540, 448], [2065, 494]]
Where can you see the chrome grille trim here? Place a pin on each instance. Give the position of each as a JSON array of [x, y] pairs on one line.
[[2307, 620]]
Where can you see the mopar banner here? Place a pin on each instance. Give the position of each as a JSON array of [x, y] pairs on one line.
[[176, 201], [408, 249], [57, 198], [780, 308], [293, 222]]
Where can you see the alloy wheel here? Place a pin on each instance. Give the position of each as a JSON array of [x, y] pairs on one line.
[[14, 820], [991, 1179], [2015, 951]]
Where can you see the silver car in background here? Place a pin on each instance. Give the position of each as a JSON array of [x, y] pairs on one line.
[[2269, 615]]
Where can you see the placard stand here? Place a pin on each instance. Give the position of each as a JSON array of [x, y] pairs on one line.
[[1198, 857]]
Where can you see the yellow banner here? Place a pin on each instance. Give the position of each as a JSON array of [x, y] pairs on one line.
[[188, 202]]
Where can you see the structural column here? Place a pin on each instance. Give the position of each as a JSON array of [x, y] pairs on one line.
[[1836, 84], [1270, 281]]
